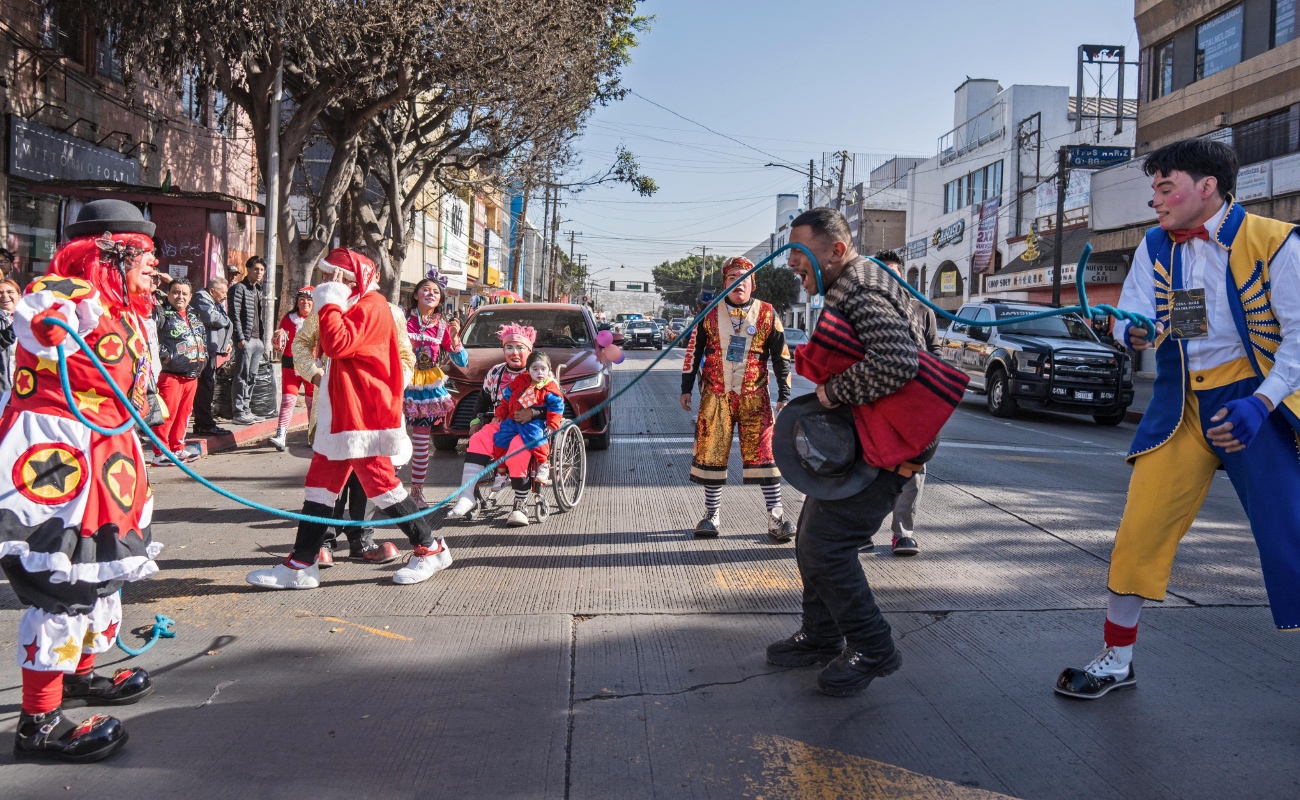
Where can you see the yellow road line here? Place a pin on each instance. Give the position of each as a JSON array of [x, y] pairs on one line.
[[366, 628]]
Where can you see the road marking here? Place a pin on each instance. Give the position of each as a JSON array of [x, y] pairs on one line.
[[750, 579], [627, 438], [366, 628], [799, 771], [1017, 448]]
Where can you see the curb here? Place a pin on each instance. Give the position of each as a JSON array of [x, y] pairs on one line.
[[246, 435], [1134, 417]]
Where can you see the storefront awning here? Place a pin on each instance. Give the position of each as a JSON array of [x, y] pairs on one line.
[[213, 201]]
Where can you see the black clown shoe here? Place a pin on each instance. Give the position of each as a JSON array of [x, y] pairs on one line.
[[1102, 676], [851, 672], [802, 650], [53, 735], [707, 528], [127, 686]]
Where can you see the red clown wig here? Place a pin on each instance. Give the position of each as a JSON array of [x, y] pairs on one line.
[[82, 258]]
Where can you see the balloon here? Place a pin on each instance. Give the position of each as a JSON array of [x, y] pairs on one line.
[[619, 360], [613, 353], [604, 338]]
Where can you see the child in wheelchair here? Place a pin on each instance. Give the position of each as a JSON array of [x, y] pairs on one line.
[[531, 407]]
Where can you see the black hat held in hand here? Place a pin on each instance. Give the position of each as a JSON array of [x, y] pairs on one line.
[[816, 449]]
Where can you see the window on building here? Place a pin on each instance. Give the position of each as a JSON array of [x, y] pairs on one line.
[[1218, 43], [1162, 70], [107, 62], [1284, 28], [193, 97], [1264, 138], [974, 187]]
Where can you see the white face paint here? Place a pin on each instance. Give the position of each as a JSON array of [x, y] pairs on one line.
[[539, 372]]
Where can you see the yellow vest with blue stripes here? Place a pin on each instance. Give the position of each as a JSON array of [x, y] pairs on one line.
[[1252, 243]]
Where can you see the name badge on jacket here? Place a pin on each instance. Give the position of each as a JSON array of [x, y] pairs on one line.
[[736, 349], [1188, 318]]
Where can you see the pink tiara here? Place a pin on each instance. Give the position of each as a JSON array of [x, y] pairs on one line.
[[516, 331]]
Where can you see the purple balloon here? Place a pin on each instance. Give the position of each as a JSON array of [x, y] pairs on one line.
[[604, 338], [619, 360]]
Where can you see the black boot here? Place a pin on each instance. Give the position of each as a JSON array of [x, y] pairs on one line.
[[802, 650], [851, 671], [127, 686], [418, 531], [52, 735]]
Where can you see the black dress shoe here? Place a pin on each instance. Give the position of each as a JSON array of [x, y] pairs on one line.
[[802, 650], [212, 431], [905, 546], [52, 735], [1083, 685], [127, 686], [707, 528], [851, 672]]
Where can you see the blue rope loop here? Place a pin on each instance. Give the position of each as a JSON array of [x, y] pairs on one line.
[[681, 339], [162, 629]]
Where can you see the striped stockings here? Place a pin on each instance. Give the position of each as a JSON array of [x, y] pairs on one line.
[[419, 454], [287, 402], [772, 495], [713, 498]]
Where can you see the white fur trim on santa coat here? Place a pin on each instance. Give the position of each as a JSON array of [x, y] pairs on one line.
[[331, 293], [345, 445]]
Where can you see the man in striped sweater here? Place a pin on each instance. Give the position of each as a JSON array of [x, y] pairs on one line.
[[842, 625]]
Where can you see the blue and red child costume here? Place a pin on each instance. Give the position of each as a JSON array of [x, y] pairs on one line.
[[547, 404]]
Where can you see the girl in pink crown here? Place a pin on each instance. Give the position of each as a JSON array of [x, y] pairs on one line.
[[426, 401]]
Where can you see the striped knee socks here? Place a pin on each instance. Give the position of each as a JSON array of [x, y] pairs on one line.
[[419, 454]]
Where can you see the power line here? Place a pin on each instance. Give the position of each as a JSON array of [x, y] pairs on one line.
[[707, 128]]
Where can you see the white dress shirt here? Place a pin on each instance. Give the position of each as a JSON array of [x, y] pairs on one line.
[[1205, 266]]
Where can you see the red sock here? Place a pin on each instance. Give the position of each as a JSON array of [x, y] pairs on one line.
[[1118, 635], [86, 665], [42, 691]]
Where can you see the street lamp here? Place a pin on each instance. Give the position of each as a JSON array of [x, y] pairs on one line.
[[811, 167]]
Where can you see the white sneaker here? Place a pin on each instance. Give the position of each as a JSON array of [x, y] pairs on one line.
[[463, 506], [279, 440], [500, 483], [779, 529], [422, 568], [285, 577], [161, 460], [544, 474], [517, 519]]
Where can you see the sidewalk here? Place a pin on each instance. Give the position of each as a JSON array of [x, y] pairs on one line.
[[1142, 387]]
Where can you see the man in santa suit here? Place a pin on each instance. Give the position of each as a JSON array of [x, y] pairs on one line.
[[359, 425]]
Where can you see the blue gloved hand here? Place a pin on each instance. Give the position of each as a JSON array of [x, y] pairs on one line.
[[1247, 416]]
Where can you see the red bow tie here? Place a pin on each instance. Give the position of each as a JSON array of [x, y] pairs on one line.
[[1184, 234]]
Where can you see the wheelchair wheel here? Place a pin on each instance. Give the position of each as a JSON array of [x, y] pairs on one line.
[[568, 466]]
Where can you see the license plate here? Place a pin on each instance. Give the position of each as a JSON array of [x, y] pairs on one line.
[[1083, 396]]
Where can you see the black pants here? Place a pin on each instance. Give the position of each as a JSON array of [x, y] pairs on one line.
[[837, 600], [353, 499], [203, 395]]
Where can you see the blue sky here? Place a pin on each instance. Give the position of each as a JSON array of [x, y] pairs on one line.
[[794, 80]]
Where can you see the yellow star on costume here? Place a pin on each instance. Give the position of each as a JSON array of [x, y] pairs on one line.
[[89, 639], [89, 400], [69, 651], [47, 363]]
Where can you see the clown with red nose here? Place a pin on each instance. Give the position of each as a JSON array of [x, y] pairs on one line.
[[359, 424]]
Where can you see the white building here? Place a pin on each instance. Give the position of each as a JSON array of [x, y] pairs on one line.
[[985, 178]]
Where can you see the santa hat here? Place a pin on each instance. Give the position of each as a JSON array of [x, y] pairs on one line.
[[514, 332], [352, 266]]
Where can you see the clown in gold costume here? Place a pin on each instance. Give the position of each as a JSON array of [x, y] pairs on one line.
[[730, 349]]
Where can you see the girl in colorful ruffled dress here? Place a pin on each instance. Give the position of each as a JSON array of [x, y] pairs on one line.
[[426, 401]]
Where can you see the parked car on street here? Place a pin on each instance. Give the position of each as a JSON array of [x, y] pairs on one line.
[[676, 325], [795, 337], [621, 321], [1055, 363], [566, 333], [643, 333]]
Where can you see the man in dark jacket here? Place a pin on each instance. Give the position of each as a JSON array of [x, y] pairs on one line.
[[842, 624], [246, 328], [210, 306]]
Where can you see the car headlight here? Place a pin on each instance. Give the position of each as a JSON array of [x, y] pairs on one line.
[[1028, 363], [1128, 369], [589, 383]]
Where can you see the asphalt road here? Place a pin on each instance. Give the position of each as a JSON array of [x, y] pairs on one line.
[[605, 653]]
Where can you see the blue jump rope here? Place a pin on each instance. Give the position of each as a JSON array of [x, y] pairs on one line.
[[162, 628]]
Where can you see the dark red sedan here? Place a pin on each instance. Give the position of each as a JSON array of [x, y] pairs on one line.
[[566, 333]]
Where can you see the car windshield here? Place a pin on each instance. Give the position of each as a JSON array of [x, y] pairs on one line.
[[1070, 327], [795, 335], [638, 325], [556, 327]]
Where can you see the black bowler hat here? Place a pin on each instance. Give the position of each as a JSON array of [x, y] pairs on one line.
[[816, 448], [113, 216]]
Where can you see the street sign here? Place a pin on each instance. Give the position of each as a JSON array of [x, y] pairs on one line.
[[1093, 157]]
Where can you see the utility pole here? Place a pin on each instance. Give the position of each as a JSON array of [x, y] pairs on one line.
[[272, 180], [844, 165], [1062, 183], [704, 263], [553, 255], [812, 164]]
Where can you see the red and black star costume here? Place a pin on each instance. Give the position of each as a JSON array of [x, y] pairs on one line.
[[75, 523]]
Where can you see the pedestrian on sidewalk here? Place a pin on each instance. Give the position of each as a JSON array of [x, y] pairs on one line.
[[730, 349], [1223, 287], [870, 344], [426, 401], [210, 305], [9, 294], [904, 522], [290, 383], [359, 425], [182, 351], [247, 328], [516, 345]]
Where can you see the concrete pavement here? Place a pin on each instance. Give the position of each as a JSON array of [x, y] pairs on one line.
[[606, 653]]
